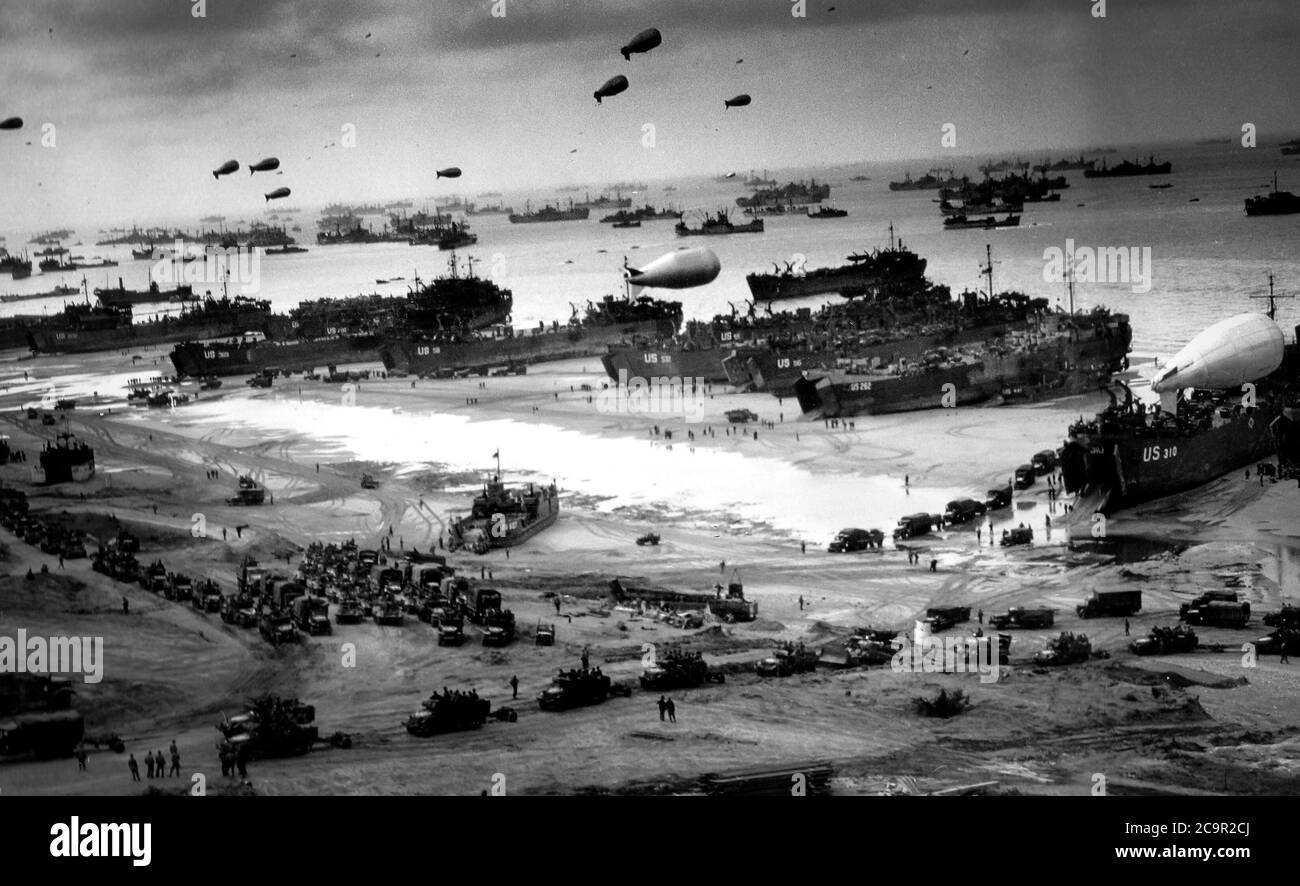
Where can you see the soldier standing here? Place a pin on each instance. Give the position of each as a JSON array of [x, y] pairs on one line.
[[672, 711], [514, 686], [176, 762], [126, 606], [81, 757], [148, 763], [134, 767], [663, 707]]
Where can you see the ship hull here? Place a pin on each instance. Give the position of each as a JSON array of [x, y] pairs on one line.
[[420, 357], [197, 359], [1138, 469], [80, 341], [650, 361], [1067, 367]]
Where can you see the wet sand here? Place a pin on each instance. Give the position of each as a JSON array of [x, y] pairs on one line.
[[171, 672]]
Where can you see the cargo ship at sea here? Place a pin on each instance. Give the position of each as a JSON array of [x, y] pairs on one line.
[[644, 213], [864, 270], [931, 181], [549, 213], [153, 295], [1127, 168], [1274, 203], [1133, 452], [719, 224], [82, 327], [351, 330], [792, 194]]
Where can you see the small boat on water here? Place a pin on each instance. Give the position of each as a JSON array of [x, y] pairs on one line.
[[961, 222]]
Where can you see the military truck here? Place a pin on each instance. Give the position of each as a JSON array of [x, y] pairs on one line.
[[312, 615], [544, 635], [941, 618], [1166, 641], [388, 611], [479, 602], [499, 628], [913, 525], [997, 499], [277, 629], [1015, 617], [679, 670], [1045, 462], [1020, 535], [207, 596], [179, 587], [451, 630], [1025, 476], [577, 687], [1286, 617], [1217, 613], [154, 577], [1282, 640], [1066, 649], [1110, 603], [45, 734], [350, 611], [848, 541], [274, 727], [448, 712], [787, 660], [963, 510]]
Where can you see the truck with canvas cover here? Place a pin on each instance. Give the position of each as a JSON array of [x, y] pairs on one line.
[[311, 614], [1166, 641], [1016, 617], [1110, 603], [679, 670]]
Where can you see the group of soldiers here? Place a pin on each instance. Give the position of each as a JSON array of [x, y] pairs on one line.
[[155, 763]]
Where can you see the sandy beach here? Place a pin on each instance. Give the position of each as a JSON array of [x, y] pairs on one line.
[[1196, 723]]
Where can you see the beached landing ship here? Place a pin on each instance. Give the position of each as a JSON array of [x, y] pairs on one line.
[[604, 323], [356, 330], [66, 460], [1132, 453], [502, 518], [82, 328]]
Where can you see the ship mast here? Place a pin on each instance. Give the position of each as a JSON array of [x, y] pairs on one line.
[[1272, 299], [987, 270], [1069, 282]]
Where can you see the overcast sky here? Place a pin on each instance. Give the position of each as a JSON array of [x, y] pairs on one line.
[[146, 99]]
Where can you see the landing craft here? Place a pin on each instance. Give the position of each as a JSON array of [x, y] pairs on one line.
[[738, 102], [264, 165], [12, 123], [1239, 349], [449, 172], [277, 194], [682, 269], [226, 168], [643, 42], [613, 86]]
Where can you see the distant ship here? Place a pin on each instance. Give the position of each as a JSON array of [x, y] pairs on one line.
[[550, 213], [1131, 453], [1064, 165], [827, 212], [960, 222], [604, 201], [1276, 203], [796, 193], [1126, 168], [644, 213], [896, 263], [931, 181], [492, 209], [153, 295], [1291, 147], [15, 266], [719, 223]]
